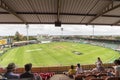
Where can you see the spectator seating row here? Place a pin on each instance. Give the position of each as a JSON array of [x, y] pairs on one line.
[[58, 69]]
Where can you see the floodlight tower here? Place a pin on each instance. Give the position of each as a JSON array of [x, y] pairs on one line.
[[27, 27], [93, 31]]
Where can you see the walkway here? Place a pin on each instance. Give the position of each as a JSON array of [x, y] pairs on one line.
[[60, 77]]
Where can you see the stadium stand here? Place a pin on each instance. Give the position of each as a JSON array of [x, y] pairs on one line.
[[54, 73], [22, 43], [104, 43], [58, 69]]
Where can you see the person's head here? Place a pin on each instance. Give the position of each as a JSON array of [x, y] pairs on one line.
[[117, 62], [98, 58], [28, 67], [11, 67], [78, 65], [72, 67]]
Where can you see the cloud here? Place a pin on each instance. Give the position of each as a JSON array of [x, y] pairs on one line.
[[34, 29]]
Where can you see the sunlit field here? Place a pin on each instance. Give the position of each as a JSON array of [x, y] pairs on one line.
[[57, 54]]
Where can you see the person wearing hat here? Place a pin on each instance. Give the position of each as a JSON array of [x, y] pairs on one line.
[[10, 72]]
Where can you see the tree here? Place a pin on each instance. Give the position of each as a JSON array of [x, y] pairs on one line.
[[18, 36]]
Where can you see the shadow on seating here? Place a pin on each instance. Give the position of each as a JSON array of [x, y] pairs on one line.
[[21, 79], [96, 79], [112, 78]]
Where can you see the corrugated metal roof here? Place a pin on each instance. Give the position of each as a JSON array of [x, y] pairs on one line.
[[97, 12], [19, 5], [105, 20], [114, 12], [29, 18], [8, 18], [2, 10], [71, 19]]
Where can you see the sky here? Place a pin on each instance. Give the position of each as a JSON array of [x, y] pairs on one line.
[[49, 29]]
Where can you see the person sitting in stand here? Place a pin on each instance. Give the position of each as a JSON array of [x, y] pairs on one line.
[[27, 73], [79, 73], [99, 65], [116, 72], [79, 69], [71, 72], [10, 72]]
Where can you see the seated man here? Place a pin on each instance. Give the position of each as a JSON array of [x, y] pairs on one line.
[[27, 73], [10, 72]]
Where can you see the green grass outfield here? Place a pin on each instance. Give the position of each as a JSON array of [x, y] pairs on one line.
[[57, 53]]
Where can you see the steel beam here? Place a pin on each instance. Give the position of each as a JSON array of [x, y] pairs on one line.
[[64, 14], [107, 8], [4, 6], [116, 22], [54, 23]]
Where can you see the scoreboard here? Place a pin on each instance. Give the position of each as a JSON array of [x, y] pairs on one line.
[[3, 41]]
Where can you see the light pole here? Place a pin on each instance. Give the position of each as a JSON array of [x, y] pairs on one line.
[[27, 27], [93, 31]]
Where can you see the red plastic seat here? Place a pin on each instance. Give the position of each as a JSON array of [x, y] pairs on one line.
[[43, 76]]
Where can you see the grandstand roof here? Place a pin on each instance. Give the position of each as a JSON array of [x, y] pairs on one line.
[[88, 12]]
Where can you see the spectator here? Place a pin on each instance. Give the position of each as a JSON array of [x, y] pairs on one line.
[[99, 65], [10, 72], [110, 71], [70, 72], [117, 68], [79, 69], [27, 73]]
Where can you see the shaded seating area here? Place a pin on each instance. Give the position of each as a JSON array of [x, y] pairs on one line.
[[64, 77], [20, 79], [112, 78], [96, 79], [90, 75]]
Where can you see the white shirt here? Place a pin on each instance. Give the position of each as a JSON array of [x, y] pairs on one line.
[[79, 70], [98, 63]]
